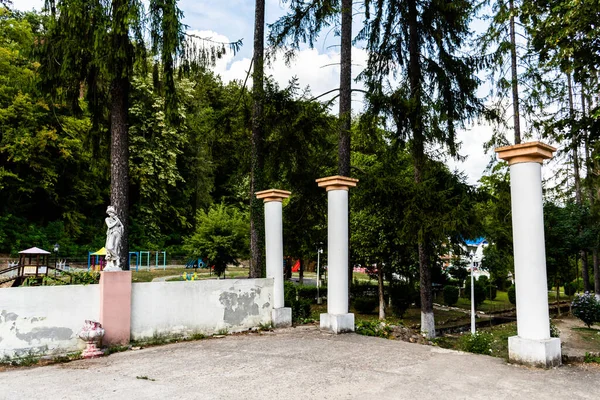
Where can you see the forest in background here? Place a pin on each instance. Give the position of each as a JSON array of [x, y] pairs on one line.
[[191, 137]]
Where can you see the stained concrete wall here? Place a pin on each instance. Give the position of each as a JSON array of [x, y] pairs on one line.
[[207, 306], [45, 319]]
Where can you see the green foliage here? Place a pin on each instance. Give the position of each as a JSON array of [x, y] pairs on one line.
[[300, 307], [590, 358], [554, 331], [373, 328], [480, 293], [491, 291], [402, 296], [450, 295], [365, 305], [85, 277], [512, 295], [570, 288], [310, 292], [587, 308], [221, 237], [478, 343]]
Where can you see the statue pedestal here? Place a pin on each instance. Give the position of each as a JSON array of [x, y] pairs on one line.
[[115, 306]]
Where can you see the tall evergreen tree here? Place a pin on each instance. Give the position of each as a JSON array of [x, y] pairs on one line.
[[303, 24], [92, 47], [419, 42], [257, 156]]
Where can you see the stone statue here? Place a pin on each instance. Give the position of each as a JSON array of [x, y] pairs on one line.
[[114, 234]]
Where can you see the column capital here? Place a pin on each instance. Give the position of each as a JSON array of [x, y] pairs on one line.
[[525, 152], [273, 195], [337, 182]]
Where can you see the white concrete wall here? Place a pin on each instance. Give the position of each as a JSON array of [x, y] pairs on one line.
[[45, 319], [206, 306]]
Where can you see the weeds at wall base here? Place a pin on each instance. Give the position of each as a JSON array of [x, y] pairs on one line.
[[34, 359]]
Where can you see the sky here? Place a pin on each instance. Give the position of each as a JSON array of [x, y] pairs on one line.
[[230, 20]]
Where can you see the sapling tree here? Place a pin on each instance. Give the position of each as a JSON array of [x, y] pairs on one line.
[[221, 237]]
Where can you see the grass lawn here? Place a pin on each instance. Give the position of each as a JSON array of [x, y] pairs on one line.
[[499, 335], [147, 276]]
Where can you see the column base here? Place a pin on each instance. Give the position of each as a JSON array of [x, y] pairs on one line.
[[337, 323], [281, 317], [536, 353]]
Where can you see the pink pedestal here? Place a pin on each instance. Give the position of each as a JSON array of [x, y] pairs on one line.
[[115, 306]]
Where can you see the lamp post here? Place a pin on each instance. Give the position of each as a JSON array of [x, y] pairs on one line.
[[56, 247], [319, 251], [472, 256]]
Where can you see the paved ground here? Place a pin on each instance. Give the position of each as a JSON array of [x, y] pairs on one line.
[[298, 363]]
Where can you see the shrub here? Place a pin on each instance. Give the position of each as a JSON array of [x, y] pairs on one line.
[[570, 288], [484, 279], [491, 292], [373, 328], [586, 308], [402, 295], [363, 289], [301, 310], [480, 290], [365, 305], [478, 343], [300, 307], [512, 295], [450, 295], [310, 292]]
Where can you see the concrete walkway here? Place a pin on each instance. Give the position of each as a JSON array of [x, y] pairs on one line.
[[298, 363]]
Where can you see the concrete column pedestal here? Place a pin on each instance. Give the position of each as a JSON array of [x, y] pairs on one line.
[[337, 319], [115, 306], [280, 316], [533, 345]]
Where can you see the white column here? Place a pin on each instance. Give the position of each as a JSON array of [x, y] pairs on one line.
[[274, 249], [337, 251], [337, 319], [533, 344], [529, 251], [280, 316]]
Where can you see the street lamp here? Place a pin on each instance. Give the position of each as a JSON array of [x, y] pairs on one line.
[[472, 256], [319, 252], [56, 247]]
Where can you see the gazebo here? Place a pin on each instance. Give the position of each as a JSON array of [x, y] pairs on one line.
[[33, 262]]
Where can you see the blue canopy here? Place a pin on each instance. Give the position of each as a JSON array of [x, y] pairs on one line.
[[475, 242]]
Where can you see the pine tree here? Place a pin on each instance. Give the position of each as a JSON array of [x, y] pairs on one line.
[[419, 43], [257, 156]]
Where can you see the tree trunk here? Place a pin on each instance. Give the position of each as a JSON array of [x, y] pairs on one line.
[[591, 184], [257, 161], [414, 76], [558, 295], [381, 292], [345, 89], [345, 109], [119, 156], [576, 175], [514, 80], [301, 273]]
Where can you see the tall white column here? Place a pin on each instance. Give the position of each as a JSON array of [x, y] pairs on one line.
[[281, 316], [533, 344], [337, 319]]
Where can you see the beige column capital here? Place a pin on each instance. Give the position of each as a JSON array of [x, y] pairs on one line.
[[525, 153], [337, 182], [273, 195]]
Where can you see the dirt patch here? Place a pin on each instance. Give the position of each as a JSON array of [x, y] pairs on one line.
[[576, 338]]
